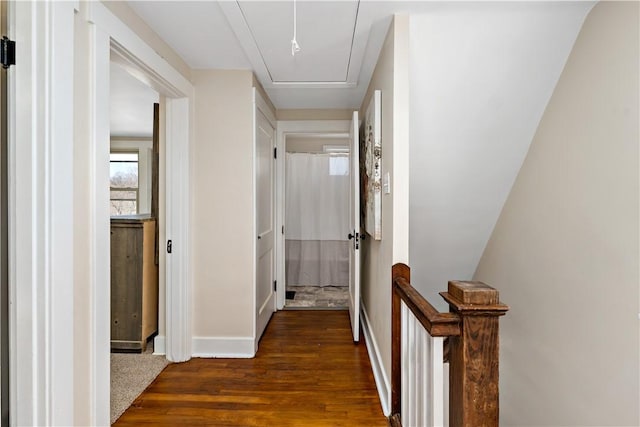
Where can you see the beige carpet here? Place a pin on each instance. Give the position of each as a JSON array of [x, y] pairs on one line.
[[131, 374]]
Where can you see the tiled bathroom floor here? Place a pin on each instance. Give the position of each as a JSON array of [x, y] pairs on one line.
[[318, 297]]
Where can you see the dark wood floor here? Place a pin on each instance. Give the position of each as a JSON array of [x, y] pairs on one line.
[[307, 372]]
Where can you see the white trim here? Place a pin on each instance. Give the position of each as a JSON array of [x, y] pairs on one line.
[[261, 104], [283, 129], [41, 230], [159, 345], [382, 382], [224, 347], [140, 55], [100, 246], [254, 226]]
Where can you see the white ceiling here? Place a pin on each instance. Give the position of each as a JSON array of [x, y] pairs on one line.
[[340, 42], [325, 35], [131, 105]]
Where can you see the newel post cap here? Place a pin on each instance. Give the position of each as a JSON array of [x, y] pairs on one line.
[[474, 298]]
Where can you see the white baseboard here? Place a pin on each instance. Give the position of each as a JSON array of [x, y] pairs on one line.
[[382, 381], [227, 347], [223, 347], [159, 345]]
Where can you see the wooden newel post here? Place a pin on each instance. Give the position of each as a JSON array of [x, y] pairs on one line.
[[473, 357]]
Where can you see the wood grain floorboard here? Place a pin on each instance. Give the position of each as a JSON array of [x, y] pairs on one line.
[[307, 372]]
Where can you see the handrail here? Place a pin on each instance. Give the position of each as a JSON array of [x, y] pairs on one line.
[[471, 349], [436, 323]]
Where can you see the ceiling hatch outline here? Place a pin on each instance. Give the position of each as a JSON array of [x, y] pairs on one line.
[[239, 23]]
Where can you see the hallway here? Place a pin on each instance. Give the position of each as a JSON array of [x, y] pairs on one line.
[[307, 372]]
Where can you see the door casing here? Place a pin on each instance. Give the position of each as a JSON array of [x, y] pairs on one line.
[[41, 191], [263, 310], [339, 128], [114, 41]]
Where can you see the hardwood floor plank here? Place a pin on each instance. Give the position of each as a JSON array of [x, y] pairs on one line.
[[308, 372]]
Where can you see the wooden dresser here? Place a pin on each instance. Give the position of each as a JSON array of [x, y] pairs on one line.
[[134, 282]]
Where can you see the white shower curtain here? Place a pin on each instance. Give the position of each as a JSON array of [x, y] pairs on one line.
[[317, 219]]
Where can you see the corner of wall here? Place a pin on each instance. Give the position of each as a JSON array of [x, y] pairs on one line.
[[265, 96]]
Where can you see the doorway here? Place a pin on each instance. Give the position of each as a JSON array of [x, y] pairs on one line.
[[290, 130], [110, 40], [133, 201], [316, 221]]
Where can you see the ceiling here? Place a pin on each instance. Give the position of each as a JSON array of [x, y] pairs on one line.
[[324, 55], [340, 42], [131, 105]]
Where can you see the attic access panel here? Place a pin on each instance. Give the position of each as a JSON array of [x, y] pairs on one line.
[[325, 34]]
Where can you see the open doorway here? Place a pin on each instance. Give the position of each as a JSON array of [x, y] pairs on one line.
[[134, 219], [316, 245]]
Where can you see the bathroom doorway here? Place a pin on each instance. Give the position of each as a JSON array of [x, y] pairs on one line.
[[316, 225]]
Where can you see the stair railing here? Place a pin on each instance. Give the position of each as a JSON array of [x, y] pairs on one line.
[[423, 339]]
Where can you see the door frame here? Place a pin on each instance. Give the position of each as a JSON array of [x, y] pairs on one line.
[[114, 39], [41, 229], [41, 126], [286, 128], [260, 105]]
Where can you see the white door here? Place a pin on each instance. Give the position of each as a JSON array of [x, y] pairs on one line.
[[265, 292], [354, 233]]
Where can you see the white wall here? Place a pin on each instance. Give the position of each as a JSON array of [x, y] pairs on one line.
[[565, 252], [481, 75], [223, 214], [391, 77]]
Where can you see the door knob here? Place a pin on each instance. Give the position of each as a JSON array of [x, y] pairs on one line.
[[351, 236]]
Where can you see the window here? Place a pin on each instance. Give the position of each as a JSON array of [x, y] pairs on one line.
[[339, 165], [124, 183]]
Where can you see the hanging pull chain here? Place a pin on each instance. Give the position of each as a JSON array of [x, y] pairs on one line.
[[295, 47]]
